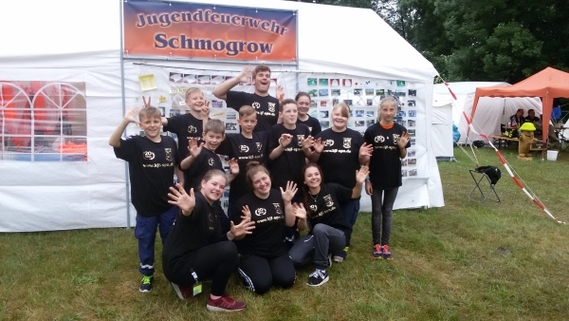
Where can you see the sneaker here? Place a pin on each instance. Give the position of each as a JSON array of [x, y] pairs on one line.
[[386, 255], [146, 283], [183, 292], [318, 277], [340, 257], [377, 251], [224, 304]]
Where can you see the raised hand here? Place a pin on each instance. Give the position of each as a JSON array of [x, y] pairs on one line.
[[280, 94], [361, 174], [132, 115], [205, 110], [299, 211], [245, 74], [366, 150], [146, 103], [307, 142], [245, 227], [246, 212], [285, 140], [289, 191], [233, 166], [178, 196], [194, 147], [403, 140], [318, 145]]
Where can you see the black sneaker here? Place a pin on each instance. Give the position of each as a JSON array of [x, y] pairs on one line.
[[317, 278], [146, 283]]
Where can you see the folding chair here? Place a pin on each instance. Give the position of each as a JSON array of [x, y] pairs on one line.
[[489, 174]]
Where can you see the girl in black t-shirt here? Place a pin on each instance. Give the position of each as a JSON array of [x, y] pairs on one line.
[[321, 213], [264, 257], [390, 142], [303, 102], [196, 249]]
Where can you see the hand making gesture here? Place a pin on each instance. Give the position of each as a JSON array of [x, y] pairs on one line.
[[289, 191], [403, 140], [361, 174], [285, 140], [245, 227], [366, 150], [194, 147], [233, 166], [280, 94], [178, 196], [299, 211], [318, 145]]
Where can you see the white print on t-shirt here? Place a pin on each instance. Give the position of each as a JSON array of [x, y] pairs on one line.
[[192, 129], [261, 211], [148, 155], [168, 152], [278, 209], [243, 148], [328, 200]]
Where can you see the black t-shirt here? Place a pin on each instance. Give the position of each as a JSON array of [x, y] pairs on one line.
[[269, 217], [244, 150], [339, 159], [151, 166], [288, 166], [184, 126], [384, 164], [190, 233], [205, 161], [267, 107], [325, 207], [313, 125]]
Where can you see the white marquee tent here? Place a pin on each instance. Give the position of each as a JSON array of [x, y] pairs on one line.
[[80, 42], [490, 113]]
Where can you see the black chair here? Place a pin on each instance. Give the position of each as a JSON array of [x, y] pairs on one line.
[[489, 174]]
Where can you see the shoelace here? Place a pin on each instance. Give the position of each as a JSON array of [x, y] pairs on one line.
[[317, 273], [146, 279]]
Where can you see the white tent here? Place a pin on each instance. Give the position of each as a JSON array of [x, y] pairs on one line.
[[490, 113], [84, 49], [442, 129]]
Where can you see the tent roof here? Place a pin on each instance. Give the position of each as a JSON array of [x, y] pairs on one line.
[[549, 82]]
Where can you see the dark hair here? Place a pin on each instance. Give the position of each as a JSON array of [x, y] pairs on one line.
[[305, 191], [259, 69], [288, 101], [252, 168], [301, 94]]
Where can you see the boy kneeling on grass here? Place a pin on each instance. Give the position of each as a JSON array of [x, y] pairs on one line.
[[151, 162]]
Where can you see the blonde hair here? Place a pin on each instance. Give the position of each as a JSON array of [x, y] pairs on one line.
[[246, 110], [192, 90], [252, 168], [383, 102], [344, 109], [148, 112]]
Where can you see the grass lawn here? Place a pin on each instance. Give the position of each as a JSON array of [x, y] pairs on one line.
[[464, 261]]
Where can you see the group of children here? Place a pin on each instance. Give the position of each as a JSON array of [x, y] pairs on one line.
[[285, 175]]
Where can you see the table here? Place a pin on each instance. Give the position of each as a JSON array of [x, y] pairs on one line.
[[501, 139]]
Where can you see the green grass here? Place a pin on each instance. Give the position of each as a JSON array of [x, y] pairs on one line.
[[464, 261]]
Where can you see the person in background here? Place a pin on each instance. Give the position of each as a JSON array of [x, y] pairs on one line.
[[321, 213], [266, 106], [516, 120], [264, 258], [531, 117], [197, 249], [189, 125], [151, 162], [303, 102], [339, 147], [389, 141]]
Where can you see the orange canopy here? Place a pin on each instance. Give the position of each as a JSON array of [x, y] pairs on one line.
[[547, 84]]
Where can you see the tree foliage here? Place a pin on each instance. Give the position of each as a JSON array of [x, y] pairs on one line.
[[498, 40]]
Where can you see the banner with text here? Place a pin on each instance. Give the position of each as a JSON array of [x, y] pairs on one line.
[[190, 30]]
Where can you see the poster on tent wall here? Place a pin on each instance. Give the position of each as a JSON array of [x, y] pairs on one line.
[[363, 95], [191, 30], [43, 121]]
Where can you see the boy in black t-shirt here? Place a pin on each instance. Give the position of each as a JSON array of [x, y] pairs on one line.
[[267, 107], [151, 162], [203, 158]]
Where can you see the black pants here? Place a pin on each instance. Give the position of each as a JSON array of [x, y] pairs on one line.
[[216, 261], [261, 273]]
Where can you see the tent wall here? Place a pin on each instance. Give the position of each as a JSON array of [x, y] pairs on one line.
[[442, 130], [85, 47]]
